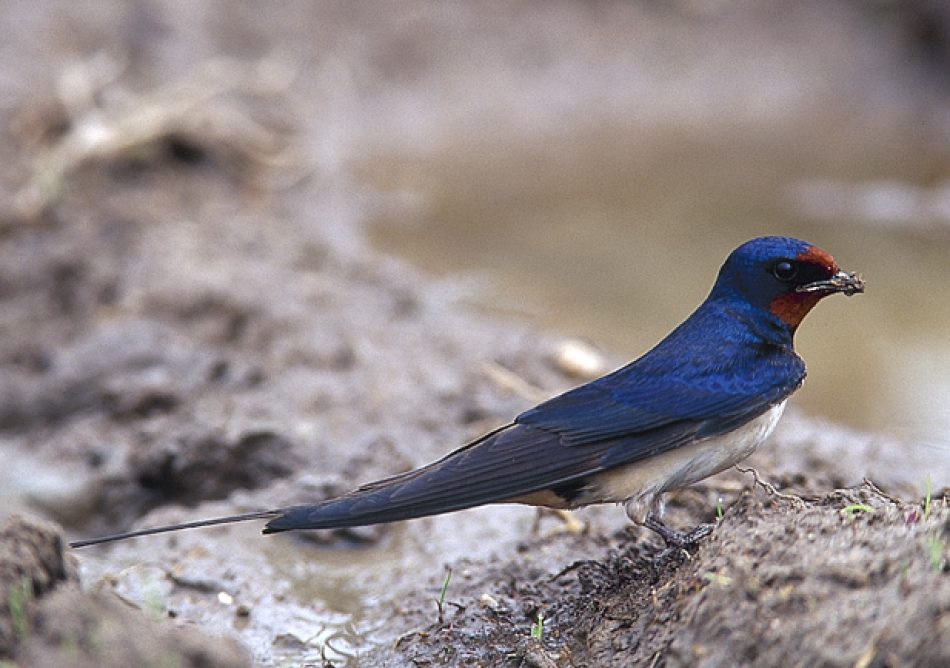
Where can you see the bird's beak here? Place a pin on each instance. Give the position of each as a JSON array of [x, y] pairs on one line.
[[844, 281]]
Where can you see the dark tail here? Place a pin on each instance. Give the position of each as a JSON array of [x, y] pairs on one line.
[[374, 503], [403, 497], [505, 465], [259, 515]]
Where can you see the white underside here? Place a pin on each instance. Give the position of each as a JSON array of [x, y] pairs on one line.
[[639, 485]]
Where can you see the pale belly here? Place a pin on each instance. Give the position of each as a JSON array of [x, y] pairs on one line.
[[639, 485]]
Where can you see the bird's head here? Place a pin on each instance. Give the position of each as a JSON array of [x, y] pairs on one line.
[[783, 276]]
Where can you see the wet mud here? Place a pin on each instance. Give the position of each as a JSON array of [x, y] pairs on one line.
[[848, 578]]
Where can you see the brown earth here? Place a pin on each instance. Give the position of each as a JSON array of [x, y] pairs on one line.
[[781, 582]]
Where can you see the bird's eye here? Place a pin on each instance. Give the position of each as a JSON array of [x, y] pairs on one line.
[[785, 270]]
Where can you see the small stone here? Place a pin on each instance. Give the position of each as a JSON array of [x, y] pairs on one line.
[[488, 601], [579, 360]]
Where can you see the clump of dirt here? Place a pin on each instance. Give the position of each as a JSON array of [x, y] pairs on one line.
[[45, 620], [90, 630], [32, 563], [852, 578]]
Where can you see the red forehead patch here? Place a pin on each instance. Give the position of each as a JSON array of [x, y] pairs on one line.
[[815, 255]]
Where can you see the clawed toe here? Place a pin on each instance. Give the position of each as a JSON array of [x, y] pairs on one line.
[[676, 539]]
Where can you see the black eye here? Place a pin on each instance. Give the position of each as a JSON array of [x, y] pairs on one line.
[[785, 270]]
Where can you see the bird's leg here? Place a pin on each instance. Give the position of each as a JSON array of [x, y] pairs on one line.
[[569, 522], [646, 510]]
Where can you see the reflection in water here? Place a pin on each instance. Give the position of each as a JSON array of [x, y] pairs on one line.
[[617, 242]]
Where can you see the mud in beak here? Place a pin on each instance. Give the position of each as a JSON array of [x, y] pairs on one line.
[[846, 282]]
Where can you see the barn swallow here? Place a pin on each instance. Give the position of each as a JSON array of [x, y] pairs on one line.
[[701, 400]]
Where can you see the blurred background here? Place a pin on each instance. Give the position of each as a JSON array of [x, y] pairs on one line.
[[576, 167], [596, 162], [590, 164]]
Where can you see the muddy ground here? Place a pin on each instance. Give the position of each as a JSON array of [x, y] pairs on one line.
[[192, 324], [781, 582]]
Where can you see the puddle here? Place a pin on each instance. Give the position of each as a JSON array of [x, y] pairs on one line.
[[622, 255]]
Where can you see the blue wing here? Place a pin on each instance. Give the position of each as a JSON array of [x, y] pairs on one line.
[[690, 386], [713, 382]]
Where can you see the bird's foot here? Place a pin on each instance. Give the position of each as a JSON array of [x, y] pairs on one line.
[[569, 522], [677, 539]]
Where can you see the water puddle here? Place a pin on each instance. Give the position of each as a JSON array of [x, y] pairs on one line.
[[616, 241]]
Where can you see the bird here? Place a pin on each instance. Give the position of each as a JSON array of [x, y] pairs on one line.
[[701, 400]]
